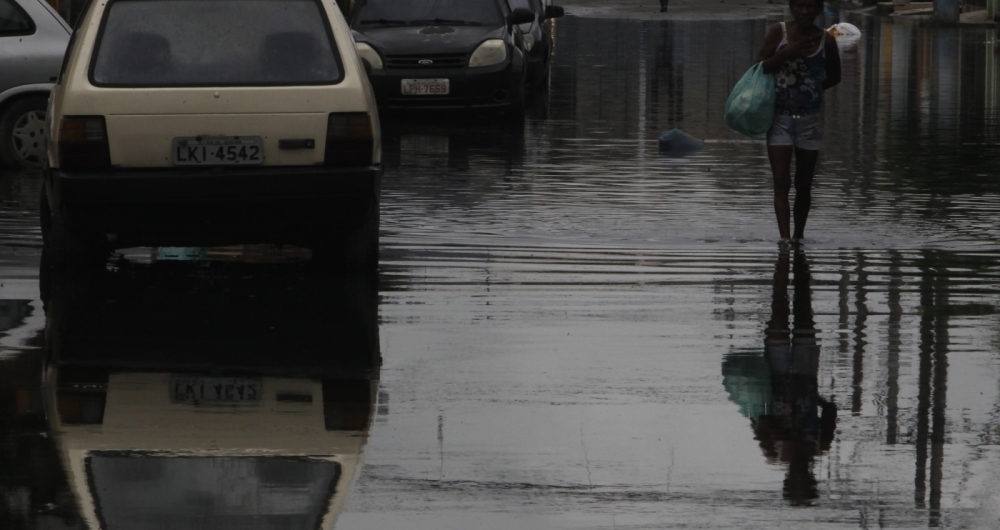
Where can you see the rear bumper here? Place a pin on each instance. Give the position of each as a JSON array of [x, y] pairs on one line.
[[221, 206], [482, 88]]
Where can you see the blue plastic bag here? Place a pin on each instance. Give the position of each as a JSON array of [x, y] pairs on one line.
[[676, 143], [750, 107]]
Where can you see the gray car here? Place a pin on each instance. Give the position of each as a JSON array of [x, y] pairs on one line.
[[538, 37], [33, 39]]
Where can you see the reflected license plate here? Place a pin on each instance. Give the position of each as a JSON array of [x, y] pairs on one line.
[[218, 150], [426, 87], [214, 390]]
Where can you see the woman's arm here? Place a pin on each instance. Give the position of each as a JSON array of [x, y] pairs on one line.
[[772, 59], [766, 53], [832, 63]]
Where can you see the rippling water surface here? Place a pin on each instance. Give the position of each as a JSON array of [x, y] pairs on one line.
[[574, 331], [910, 158]]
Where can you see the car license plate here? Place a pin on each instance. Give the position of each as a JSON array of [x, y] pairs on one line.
[[426, 87], [218, 150], [214, 390]]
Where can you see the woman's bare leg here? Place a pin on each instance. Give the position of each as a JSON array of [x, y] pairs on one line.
[[805, 169], [780, 157]]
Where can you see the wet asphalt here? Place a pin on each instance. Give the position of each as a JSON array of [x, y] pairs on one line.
[[567, 330]]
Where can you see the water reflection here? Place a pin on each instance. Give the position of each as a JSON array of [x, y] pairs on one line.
[[779, 390], [19, 202], [454, 144], [32, 494], [201, 397]]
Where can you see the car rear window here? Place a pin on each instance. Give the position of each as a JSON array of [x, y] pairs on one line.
[[428, 12], [135, 490], [215, 43]]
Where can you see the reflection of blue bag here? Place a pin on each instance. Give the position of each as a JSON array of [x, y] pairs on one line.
[[750, 107]]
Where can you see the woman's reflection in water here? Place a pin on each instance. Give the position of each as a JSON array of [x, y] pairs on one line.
[[800, 424]]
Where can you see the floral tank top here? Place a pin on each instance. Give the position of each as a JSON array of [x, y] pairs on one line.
[[799, 81]]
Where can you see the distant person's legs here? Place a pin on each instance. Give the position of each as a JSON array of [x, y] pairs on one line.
[[663, 6], [803, 137], [805, 169], [780, 157]]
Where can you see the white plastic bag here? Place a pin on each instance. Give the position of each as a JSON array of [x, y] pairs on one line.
[[844, 29]]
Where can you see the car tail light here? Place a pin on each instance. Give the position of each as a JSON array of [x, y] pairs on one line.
[[81, 395], [83, 143], [81, 408], [349, 140]]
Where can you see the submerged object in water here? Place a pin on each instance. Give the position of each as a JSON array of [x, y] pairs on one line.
[[676, 142]]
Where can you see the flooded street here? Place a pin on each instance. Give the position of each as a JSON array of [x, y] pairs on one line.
[[568, 329]]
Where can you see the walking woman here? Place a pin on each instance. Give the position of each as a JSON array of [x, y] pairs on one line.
[[805, 61]]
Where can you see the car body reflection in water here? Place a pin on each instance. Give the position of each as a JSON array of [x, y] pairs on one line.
[[185, 398], [779, 390]]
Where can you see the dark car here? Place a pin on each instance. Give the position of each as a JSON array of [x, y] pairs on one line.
[[463, 54], [538, 37]]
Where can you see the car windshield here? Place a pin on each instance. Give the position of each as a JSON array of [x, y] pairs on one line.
[[215, 43], [428, 12]]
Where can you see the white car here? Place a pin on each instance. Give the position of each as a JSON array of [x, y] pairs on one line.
[[212, 122], [33, 40]]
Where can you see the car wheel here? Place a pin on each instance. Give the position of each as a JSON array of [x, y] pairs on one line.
[[542, 81], [22, 133], [354, 250], [64, 248], [517, 103], [514, 114]]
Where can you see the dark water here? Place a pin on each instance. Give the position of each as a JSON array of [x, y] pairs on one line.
[[567, 331]]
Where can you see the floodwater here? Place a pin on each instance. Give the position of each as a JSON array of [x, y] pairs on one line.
[[568, 330]]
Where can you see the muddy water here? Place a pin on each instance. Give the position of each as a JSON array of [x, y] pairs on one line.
[[573, 331]]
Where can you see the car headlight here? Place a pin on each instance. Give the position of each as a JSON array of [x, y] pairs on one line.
[[490, 52], [529, 41], [368, 53]]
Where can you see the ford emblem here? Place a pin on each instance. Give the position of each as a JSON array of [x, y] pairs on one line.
[[425, 62]]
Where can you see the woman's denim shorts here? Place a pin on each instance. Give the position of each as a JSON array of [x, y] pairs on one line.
[[804, 132]]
